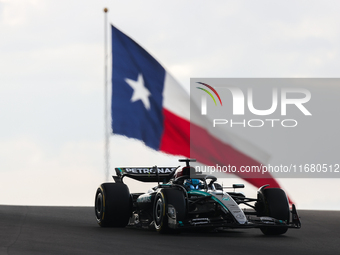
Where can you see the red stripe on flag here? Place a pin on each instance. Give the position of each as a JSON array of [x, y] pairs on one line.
[[206, 148], [176, 135]]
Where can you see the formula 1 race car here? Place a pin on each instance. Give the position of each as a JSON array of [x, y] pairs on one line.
[[186, 199]]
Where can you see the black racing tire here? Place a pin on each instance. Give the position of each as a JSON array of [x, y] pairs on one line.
[[113, 205], [275, 205], [163, 198]]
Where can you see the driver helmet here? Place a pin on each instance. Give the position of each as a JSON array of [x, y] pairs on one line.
[[192, 184], [184, 171]]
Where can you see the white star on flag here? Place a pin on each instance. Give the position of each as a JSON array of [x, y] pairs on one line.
[[140, 92]]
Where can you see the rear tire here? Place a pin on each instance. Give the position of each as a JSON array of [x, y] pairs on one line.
[[113, 205], [160, 212], [275, 204]]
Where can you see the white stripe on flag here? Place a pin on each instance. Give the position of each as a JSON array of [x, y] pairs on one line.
[[177, 100]]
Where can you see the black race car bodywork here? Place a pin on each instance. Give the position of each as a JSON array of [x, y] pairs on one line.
[[172, 206]]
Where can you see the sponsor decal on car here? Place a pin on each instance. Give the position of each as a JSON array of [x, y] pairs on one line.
[[135, 170]]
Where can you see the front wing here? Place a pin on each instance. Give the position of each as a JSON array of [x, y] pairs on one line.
[[252, 222]]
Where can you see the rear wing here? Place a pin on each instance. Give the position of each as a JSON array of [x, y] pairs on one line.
[[145, 174]]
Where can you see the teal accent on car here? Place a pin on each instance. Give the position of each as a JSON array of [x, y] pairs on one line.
[[206, 194], [199, 192]]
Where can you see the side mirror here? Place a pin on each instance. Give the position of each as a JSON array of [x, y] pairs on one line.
[[235, 186], [238, 186]]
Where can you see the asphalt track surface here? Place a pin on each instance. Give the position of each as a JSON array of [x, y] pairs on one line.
[[73, 230]]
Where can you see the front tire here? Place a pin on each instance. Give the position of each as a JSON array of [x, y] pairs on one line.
[[163, 199], [113, 206], [275, 204]]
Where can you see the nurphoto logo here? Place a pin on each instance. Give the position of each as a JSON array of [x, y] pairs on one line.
[[280, 99]]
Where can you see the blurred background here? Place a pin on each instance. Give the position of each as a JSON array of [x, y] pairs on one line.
[[52, 82]]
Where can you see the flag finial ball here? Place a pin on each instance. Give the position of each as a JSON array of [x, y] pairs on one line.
[[106, 10]]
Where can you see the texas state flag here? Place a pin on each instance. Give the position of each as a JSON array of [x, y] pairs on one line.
[[149, 105]]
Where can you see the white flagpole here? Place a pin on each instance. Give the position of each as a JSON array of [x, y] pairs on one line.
[[106, 112]]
